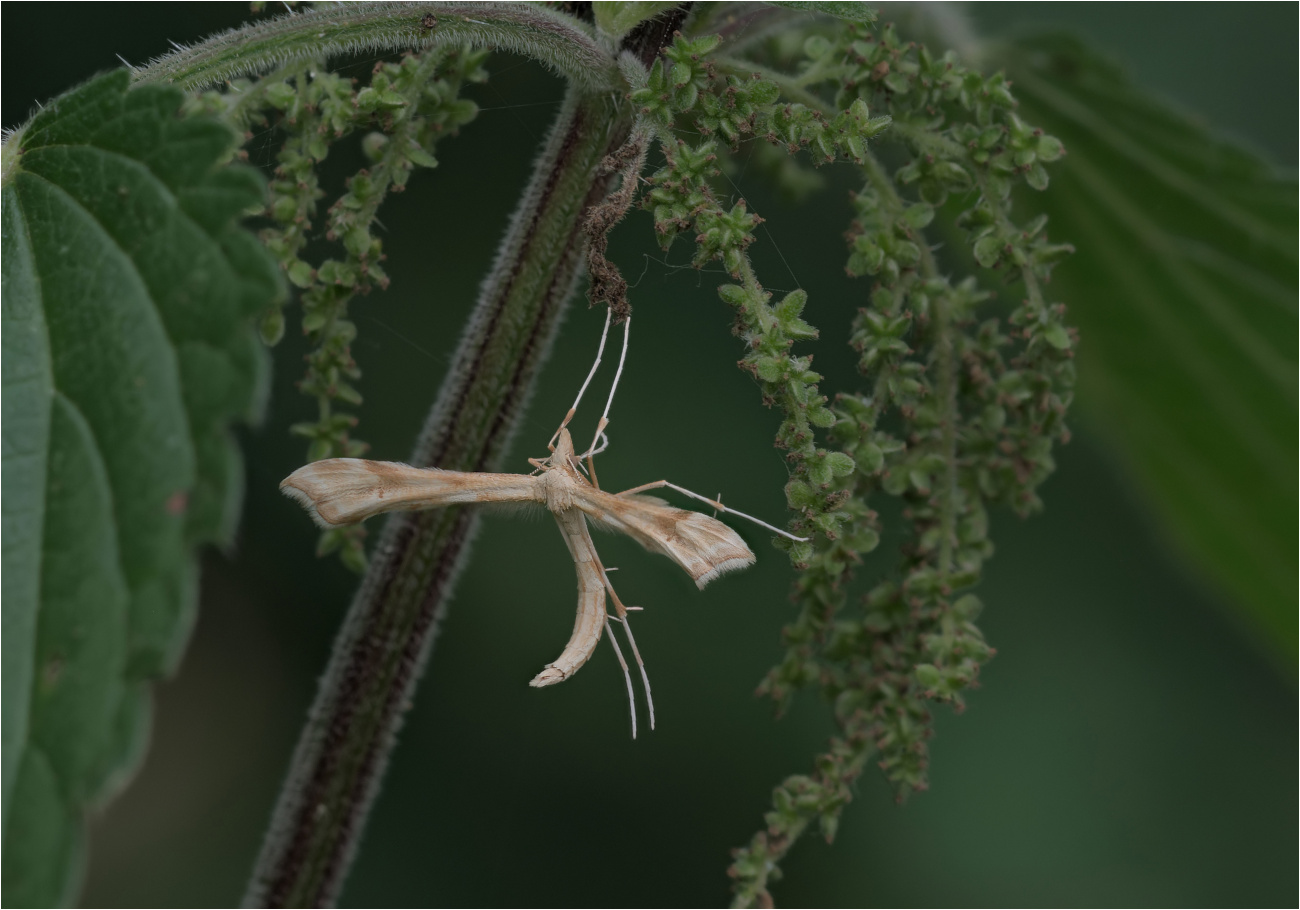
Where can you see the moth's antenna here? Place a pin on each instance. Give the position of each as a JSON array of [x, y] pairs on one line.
[[627, 627], [609, 403], [599, 351], [627, 678]]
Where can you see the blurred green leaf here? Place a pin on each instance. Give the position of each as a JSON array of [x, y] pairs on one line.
[[128, 297], [617, 19], [1184, 288], [853, 12]]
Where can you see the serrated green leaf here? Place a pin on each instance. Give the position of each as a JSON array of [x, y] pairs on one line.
[[1184, 289], [617, 19], [128, 303]]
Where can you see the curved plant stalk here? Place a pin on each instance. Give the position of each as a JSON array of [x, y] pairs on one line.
[[961, 416], [377, 28]]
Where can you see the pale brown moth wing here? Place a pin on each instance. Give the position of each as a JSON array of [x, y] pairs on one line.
[[703, 546], [342, 491]]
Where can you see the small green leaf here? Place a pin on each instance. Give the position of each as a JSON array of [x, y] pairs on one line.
[[987, 251], [300, 274], [792, 305], [819, 471], [865, 540], [918, 215], [1057, 336], [841, 465], [733, 294], [1036, 176], [1049, 148], [898, 83], [928, 676], [821, 417], [420, 158], [872, 458], [851, 12], [617, 19], [128, 306], [799, 495]]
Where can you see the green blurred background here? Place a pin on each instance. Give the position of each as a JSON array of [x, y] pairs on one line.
[[1129, 745]]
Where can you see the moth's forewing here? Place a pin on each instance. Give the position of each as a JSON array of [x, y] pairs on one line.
[[342, 491], [703, 546]]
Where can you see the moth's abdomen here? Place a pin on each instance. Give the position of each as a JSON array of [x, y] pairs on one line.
[[587, 627], [590, 621]]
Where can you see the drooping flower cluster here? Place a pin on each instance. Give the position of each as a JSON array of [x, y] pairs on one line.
[[408, 106], [962, 402]]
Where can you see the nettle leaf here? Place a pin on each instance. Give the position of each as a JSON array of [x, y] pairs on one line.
[[617, 19], [1184, 289], [128, 297]]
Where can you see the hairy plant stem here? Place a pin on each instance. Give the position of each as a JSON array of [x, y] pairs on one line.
[[386, 638], [558, 41], [390, 628]]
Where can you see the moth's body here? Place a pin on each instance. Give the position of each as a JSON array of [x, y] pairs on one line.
[[341, 491], [560, 481]]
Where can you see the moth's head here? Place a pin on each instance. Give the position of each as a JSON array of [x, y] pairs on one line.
[[563, 449]]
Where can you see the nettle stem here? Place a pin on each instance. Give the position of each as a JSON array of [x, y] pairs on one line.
[[946, 386], [945, 361], [556, 40], [390, 628], [387, 636]]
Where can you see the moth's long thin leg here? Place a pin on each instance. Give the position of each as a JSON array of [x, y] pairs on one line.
[[609, 402], [627, 627], [627, 678], [645, 680], [590, 375], [591, 459], [660, 484]]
